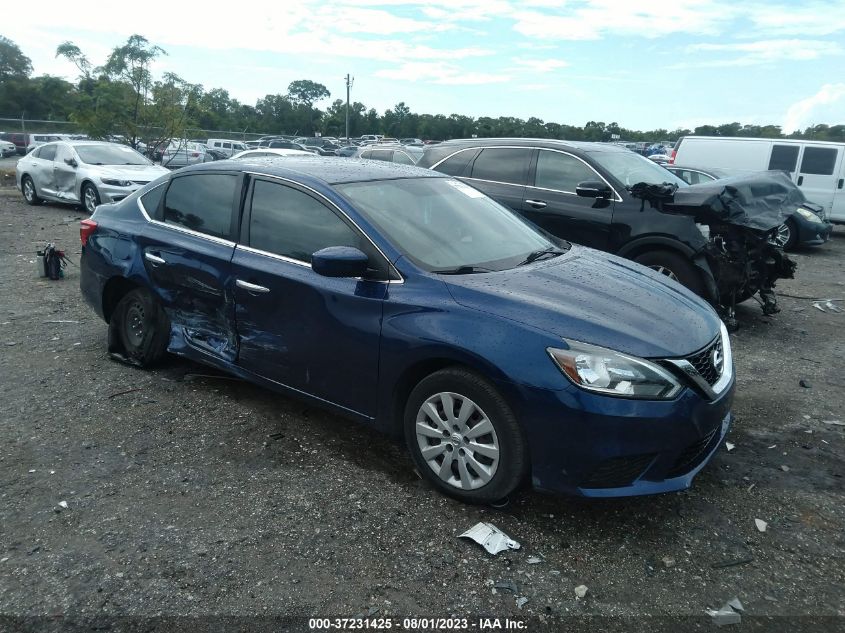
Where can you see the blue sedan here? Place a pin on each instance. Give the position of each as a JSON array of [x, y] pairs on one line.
[[412, 302]]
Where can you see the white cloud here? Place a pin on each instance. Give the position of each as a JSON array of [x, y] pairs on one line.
[[761, 52], [799, 115], [439, 73], [806, 18], [540, 65]]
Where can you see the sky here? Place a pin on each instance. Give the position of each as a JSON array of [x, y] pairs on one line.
[[644, 64]]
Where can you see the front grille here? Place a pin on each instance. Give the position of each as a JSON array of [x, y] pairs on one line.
[[618, 471], [692, 455], [703, 362]]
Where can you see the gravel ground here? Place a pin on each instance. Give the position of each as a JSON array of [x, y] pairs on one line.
[[189, 495]]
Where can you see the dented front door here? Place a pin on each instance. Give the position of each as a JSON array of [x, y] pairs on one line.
[[64, 174]]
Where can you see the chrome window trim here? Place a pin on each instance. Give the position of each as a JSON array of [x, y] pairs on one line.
[[618, 198], [176, 227], [331, 204]]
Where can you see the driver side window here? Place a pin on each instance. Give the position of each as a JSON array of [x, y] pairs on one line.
[[561, 172]]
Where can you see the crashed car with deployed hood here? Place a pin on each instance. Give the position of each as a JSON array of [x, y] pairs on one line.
[[412, 302], [582, 192], [739, 218]]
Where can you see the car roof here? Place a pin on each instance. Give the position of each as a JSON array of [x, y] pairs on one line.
[[552, 143], [331, 170]]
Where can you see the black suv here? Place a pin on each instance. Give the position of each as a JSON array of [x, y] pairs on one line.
[[579, 192]]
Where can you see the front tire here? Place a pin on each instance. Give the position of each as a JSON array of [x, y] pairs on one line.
[[674, 266], [143, 328], [90, 198], [464, 438], [28, 191]]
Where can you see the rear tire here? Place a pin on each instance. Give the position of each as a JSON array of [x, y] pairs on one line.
[[29, 193], [474, 447], [792, 239], [143, 328], [674, 266]]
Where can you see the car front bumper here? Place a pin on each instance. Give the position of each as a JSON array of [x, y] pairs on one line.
[[590, 445], [112, 193], [812, 233]]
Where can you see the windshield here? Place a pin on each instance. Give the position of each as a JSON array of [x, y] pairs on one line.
[[109, 155], [630, 168], [444, 225]]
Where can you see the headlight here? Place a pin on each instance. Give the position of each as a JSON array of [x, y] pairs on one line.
[[808, 215], [117, 183], [611, 373]]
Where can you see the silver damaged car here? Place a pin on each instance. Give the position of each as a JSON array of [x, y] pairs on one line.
[[87, 173]]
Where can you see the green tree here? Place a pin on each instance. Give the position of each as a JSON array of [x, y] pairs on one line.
[[13, 63]]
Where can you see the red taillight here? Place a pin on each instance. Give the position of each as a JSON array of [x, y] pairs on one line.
[[195, 154], [86, 230], [672, 157]]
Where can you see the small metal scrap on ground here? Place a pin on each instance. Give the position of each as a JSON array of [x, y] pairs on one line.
[[728, 614], [761, 525], [490, 538], [827, 305]]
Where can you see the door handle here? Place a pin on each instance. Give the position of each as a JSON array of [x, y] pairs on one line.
[[800, 180], [841, 182], [240, 283], [537, 204], [155, 259]]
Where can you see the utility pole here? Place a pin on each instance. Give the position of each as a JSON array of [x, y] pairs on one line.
[[349, 82]]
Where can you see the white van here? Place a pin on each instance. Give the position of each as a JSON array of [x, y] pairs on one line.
[[818, 167], [228, 146]]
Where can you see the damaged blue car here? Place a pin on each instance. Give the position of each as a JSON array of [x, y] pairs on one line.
[[410, 301]]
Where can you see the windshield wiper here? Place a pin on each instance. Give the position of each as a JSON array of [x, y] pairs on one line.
[[533, 257], [463, 270]]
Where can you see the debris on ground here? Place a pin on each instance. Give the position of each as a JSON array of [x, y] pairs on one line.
[[834, 422], [668, 562], [121, 393], [805, 383], [730, 613], [729, 446], [784, 468], [732, 562], [581, 591], [827, 305], [520, 602], [761, 525], [490, 538], [533, 560], [506, 585]]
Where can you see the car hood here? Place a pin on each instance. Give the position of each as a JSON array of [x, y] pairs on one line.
[[595, 298], [128, 172]]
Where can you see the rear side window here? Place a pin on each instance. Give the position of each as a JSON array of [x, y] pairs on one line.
[[561, 172], [784, 157], [227, 146], [818, 160], [402, 158], [47, 152], [152, 199], [202, 203], [288, 222], [457, 164], [382, 154], [504, 164]]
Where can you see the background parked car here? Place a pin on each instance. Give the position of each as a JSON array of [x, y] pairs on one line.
[[225, 146], [806, 227], [183, 153], [324, 146], [39, 139], [269, 152], [405, 155], [83, 172], [7, 148]]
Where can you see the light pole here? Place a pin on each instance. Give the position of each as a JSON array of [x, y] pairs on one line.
[[349, 81]]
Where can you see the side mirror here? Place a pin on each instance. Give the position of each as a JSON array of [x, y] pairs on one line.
[[339, 261], [593, 189], [72, 162]]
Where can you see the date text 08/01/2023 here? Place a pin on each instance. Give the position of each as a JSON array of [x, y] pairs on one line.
[[417, 624]]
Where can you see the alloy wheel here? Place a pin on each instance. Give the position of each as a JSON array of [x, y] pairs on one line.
[[90, 199], [664, 271], [28, 190], [457, 440], [782, 237]]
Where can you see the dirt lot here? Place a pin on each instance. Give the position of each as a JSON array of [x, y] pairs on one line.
[[193, 495]]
